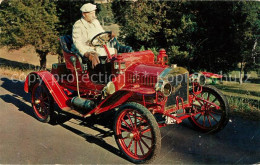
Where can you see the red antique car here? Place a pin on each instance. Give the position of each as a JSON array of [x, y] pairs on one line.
[[144, 93]]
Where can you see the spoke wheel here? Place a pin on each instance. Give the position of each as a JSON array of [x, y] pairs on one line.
[[41, 102], [137, 133], [212, 110]]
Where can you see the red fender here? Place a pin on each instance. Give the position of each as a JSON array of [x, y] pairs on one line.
[[49, 80], [113, 101], [119, 97]]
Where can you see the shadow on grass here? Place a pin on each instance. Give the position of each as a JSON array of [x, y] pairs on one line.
[[237, 90], [17, 65]]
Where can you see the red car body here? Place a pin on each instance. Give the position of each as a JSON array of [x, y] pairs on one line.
[[138, 80]]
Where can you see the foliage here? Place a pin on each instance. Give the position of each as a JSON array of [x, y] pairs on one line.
[[211, 36], [249, 30], [32, 22], [69, 12], [26, 22], [105, 14]]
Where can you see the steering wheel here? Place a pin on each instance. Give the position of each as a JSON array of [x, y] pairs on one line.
[[101, 39]]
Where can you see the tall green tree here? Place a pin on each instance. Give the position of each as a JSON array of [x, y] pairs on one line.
[[159, 24], [32, 22], [247, 31], [199, 35], [105, 14]]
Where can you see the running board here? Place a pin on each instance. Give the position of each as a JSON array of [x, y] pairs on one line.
[[72, 111]]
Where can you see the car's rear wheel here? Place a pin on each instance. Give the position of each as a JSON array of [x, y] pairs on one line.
[[42, 102], [137, 133], [212, 110]]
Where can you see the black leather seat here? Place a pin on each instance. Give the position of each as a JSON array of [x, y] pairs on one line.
[[66, 44]]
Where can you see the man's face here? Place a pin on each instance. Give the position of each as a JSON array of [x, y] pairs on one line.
[[89, 16]]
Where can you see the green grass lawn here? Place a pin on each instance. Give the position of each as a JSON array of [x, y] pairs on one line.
[[245, 90], [252, 74], [244, 99]]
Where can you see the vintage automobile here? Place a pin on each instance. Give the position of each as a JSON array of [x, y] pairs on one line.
[[143, 91]]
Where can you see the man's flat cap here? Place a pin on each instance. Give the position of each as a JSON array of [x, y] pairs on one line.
[[88, 7]]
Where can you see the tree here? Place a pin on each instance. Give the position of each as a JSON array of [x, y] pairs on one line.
[[247, 30], [198, 35], [105, 14], [160, 24], [32, 22]]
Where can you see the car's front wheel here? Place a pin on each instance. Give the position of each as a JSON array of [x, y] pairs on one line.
[[137, 133]]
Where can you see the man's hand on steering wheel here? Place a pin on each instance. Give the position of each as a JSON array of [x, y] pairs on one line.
[[102, 39], [112, 35], [93, 57]]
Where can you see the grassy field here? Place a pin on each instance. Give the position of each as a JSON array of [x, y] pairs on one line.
[[17, 63], [244, 99], [245, 90]]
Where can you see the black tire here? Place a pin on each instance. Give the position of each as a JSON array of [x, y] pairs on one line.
[[42, 103], [140, 131], [213, 119]]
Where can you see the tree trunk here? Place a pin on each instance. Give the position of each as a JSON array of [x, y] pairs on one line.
[[241, 70], [103, 23], [43, 60], [245, 75], [60, 58]]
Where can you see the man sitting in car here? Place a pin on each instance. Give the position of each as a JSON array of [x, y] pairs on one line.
[[85, 29]]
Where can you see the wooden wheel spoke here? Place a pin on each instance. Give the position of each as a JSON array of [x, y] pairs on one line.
[[45, 110], [213, 105], [201, 94], [130, 143], [214, 100], [135, 119], [145, 144], [48, 104], [146, 137], [216, 112], [146, 130], [126, 124], [213, 117], [123, 138], [208, 96], [198, 117], [141, 147], [208, 99], [130, 120], [135, 148], [124, 129], [141, 124], [200, 102], [203, 120], [209, 121], [45, 98], [196, 107]]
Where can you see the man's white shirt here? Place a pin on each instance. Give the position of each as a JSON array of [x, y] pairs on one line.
[[82, 34]]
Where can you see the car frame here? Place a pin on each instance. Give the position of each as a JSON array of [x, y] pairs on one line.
[[141, 89]]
